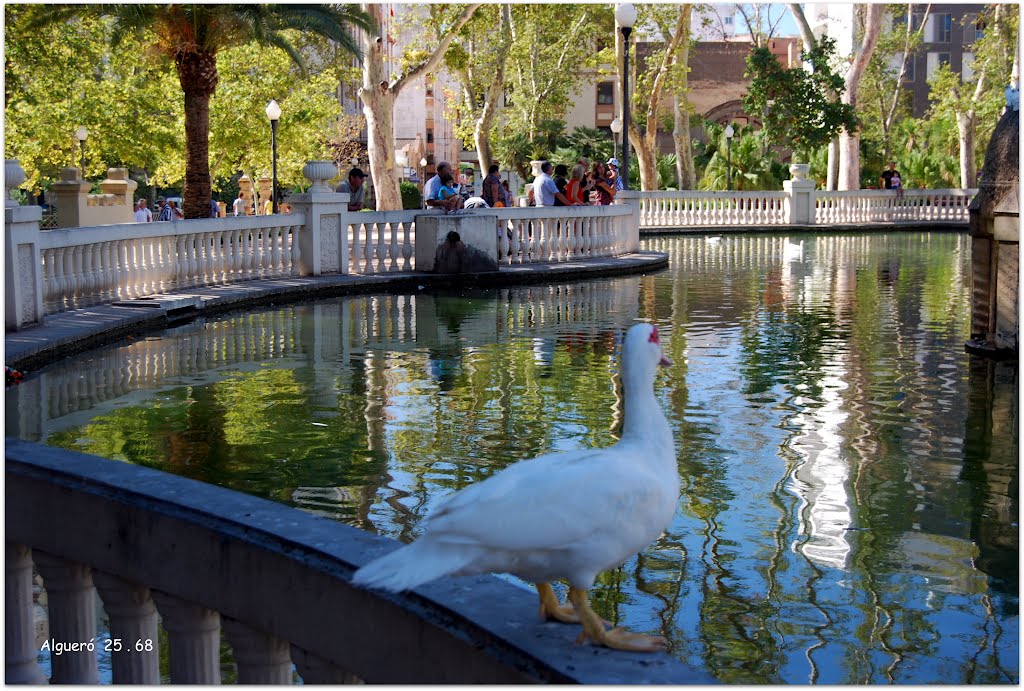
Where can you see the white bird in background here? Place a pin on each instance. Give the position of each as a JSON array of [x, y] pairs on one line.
[[793, 251], [713, 239], [565, 515]]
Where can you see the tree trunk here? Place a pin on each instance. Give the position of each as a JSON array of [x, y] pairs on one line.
[[832, 165], [197, 74], [378, 95], [686, 174], [849, 142], [647, 160], [965, 129], [493, 95]]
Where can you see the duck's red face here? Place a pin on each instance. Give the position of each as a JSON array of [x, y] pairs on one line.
[[653, 338]]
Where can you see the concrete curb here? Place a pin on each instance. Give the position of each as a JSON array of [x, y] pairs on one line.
[[67, 333]]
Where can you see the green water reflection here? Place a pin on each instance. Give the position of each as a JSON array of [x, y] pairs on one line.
[[850, 479]]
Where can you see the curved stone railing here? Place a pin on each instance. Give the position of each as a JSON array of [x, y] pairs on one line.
[[680, 209], [273, 579], [385, 241], [802, 205], [88, 266], [885, 206]]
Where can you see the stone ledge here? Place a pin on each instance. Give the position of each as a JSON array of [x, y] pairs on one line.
[[458, 630]]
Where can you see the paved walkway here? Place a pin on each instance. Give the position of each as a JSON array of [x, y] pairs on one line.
[[67, 333]]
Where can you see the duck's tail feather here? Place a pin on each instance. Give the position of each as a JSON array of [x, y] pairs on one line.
[[407, 567]]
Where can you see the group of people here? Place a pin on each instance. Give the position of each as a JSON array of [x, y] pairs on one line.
[[167, 210], [600, 184]]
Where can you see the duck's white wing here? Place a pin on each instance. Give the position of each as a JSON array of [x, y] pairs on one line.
[[548, 502]]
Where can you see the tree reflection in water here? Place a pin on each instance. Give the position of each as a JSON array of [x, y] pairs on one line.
[[850, 479]]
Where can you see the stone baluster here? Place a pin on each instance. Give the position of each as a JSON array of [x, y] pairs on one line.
[[193, 638], [71, 601], [315, 670], [134, 650], [20, 649], [260, 657]]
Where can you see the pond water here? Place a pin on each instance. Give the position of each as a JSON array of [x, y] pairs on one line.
[[848, 512]]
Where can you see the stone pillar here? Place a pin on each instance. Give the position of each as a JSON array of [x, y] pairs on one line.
[[20, 649], [323, 240], [245, 187], [123, 188], [260, 657], [14, 175], [71, 197], [71, 600], [800, 202], [135, 652], [23, 267], [477, 233], [316, 670], [193, 639], [631, 198], [264, 188]]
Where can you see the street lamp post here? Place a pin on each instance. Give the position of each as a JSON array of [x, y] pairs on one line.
[[616, 128], [81, 134], [274, 113], [423, 173], [625, 17], [729, 132]]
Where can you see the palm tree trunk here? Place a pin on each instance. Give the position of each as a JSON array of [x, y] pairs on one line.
[[197, 73]]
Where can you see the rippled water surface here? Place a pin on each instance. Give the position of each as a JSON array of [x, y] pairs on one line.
[[850, 479]]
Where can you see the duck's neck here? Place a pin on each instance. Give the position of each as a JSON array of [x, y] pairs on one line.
[[643, 419]]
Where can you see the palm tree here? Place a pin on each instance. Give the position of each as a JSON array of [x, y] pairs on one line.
[[191, 36]]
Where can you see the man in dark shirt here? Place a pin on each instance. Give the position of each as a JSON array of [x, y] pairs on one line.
[[560, 182], [886, 180]]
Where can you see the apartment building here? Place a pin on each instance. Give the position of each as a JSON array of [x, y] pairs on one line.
[[949, 32]]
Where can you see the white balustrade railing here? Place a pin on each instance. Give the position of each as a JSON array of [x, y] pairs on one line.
[[670, 209], [559, 234], [88, 266], [385, 241], [381, 241], [886, 206], [684, 208]]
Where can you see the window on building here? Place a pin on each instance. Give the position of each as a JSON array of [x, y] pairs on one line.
[[909, 75], [430, 91], [943, 58], [430, 136], [916, 19], [967, 69], [727, 20], [943, 28], [605, 94]]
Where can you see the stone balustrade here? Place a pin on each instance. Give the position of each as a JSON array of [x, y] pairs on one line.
[[800, 204], [171, 557]]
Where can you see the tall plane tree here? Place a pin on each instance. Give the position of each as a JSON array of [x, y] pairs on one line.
[[191, 36], [380, 90]]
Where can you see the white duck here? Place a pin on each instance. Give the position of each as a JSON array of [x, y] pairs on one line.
[[565, 515]]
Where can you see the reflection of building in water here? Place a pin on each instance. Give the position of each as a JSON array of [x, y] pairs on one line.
[[820, 478]]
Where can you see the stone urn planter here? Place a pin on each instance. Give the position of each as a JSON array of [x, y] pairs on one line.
[[535, 167], [799, 171], [319, 172], [14, 175]]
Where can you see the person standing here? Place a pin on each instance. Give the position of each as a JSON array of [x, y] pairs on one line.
[[142, 213], [604, 187], [164, 212], [214, 208], [560, 182], [614, 176], [492, 192], [176, 213], [354, 187], [885, 181], [546, 191], [238, 206]]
